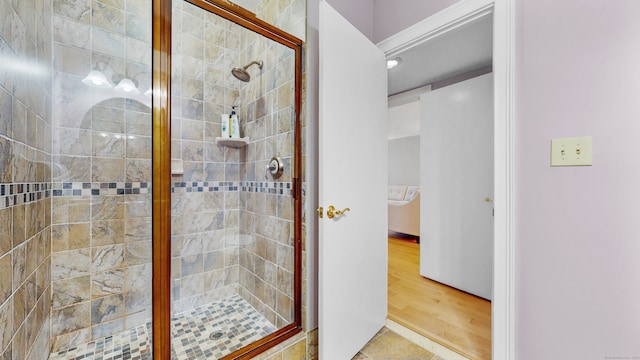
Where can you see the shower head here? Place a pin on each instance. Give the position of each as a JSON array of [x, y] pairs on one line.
[[241, 72]]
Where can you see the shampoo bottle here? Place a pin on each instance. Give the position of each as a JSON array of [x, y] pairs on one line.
[[234, 128], [224, 126]]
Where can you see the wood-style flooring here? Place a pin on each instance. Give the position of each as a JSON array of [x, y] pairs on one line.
[[450, 317]]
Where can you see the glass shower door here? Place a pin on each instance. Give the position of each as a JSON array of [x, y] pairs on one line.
[[232, 218]]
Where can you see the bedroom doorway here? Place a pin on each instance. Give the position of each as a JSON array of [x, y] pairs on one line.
[[453, 318]]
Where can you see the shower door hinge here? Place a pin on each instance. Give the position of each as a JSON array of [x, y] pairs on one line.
[[295, 188]]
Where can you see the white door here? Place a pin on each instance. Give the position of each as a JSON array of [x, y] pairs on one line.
[[456, 175], [352, 174]]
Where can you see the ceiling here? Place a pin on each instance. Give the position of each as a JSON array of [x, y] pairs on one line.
[[464, 49]]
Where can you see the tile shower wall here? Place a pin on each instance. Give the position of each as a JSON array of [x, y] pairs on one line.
[[289, 15], [205, 197], [25, 150], [266, 217], [266, 272], [25, 165], [231, 227], [101, 217]]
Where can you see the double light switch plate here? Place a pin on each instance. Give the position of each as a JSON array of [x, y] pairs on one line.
[[571, 151]]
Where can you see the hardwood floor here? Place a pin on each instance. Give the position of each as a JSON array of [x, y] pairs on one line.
[[450, 317]]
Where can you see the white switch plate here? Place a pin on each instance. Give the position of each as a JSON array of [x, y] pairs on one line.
[[571, 151]]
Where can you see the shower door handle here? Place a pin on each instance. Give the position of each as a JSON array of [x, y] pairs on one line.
[[332, 212]]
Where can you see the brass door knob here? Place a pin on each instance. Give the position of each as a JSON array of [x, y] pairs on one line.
[[331, 211]]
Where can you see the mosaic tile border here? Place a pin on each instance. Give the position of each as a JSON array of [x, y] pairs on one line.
[[204, 186], [13, 194], [99, 188], [271, 187], [278, 188]]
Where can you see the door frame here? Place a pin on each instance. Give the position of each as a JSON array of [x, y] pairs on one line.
[[447, 20]]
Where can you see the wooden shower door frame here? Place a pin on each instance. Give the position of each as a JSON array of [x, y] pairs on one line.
[[161, 187]]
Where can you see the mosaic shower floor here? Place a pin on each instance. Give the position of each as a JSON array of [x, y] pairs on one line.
[[207, 332]]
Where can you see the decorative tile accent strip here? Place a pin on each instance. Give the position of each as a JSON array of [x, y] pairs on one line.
[[204, 186], [278, 188], [208, 332], [99, 188], [13, 194]]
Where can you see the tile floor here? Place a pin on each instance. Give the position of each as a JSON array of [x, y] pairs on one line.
[[208, 332], [218, 329], [237, 323], [131, 344], [388, 345]]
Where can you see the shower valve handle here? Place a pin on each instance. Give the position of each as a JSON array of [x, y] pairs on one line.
[[275, 167]]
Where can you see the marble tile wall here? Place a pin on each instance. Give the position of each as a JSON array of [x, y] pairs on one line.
[[266, 219], [101, 177], [266, 272], [62, 135], [220, 164], [288, 15], [230, 241], [204, 223], [25, 168]]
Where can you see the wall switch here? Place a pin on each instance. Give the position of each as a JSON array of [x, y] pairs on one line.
[[571, 151]]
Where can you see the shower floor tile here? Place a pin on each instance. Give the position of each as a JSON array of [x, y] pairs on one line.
[[131, 344], [232, 323], [207, 332]]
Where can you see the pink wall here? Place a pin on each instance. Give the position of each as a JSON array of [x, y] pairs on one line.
[[379, 19], [358, 12], [392, 16], [578, 229]]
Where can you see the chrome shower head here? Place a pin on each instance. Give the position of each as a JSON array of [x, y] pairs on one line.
[[242, 74]]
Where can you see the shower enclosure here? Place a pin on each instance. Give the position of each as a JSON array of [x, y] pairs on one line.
[[235, 241], [128, 226]]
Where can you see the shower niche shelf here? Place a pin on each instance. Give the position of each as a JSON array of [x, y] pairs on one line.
[[231, 142]]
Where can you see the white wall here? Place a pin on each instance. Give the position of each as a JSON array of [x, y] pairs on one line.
[[404, 120], [404, 161]]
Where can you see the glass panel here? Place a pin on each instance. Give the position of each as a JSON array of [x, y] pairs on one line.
[[101, 266], [232, 220], [289, 15]]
